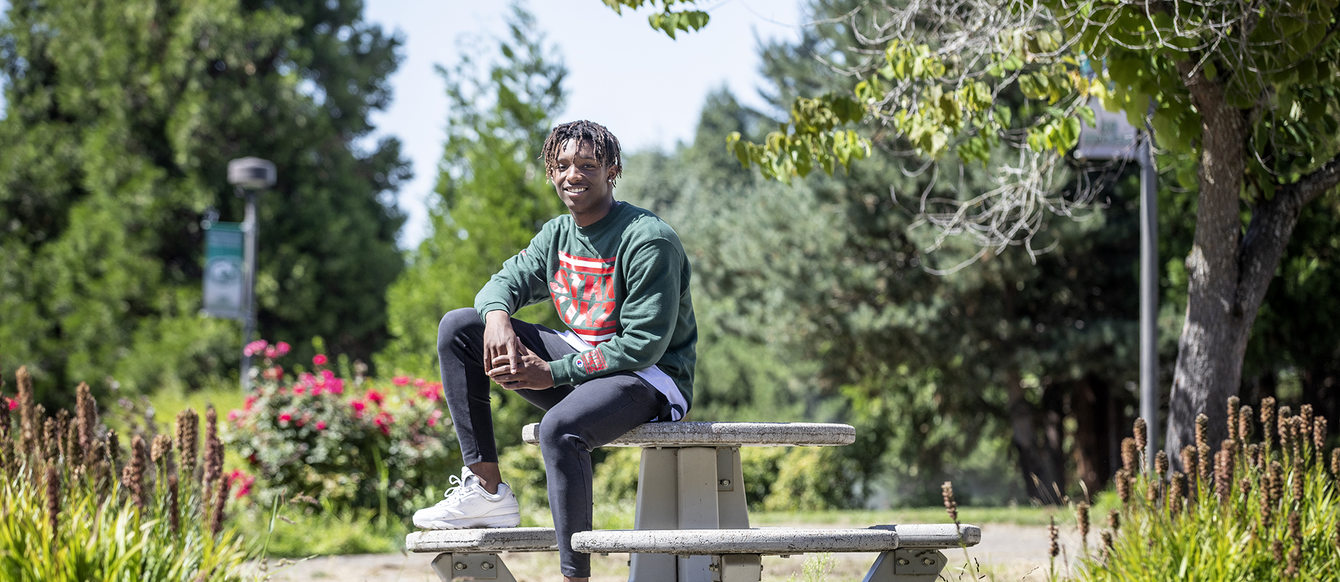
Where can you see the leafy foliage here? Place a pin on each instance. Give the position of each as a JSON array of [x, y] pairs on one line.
[[119, 122], [668, 20]]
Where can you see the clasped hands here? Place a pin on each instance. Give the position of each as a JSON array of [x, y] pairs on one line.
[[509, 362]]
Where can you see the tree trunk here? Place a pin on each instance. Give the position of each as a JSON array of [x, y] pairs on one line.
[[1094, 412], [1037, 440], [1214, 335], [1228, 272]]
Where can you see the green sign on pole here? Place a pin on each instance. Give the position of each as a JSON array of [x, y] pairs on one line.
[[225, 292]]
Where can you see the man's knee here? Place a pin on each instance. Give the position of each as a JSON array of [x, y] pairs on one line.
[[453, 323], [556, 431]]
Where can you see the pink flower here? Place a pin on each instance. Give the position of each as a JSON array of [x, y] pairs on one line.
[[319, 360], [358, 406], [250, 401], [400, 380], [273, 373], [430, 393], [376, 397], [327, 375], [383, 421], [285, 416], [335, 386], [12, 403], [271, 352], [420, 382], [320, 425], [282, 348], [254, 348], [245, 481], [299, 390], [233, 415]]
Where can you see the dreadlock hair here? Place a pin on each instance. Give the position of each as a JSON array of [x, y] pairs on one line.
[[605, 144]]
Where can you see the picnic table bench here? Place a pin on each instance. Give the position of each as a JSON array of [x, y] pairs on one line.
[[692, 522]]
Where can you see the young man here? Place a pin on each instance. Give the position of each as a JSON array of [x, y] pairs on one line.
[[618, 277]]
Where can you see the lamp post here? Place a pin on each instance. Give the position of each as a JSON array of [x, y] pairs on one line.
[[248, 175]]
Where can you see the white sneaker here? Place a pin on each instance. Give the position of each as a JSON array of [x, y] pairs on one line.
[[468, 505]]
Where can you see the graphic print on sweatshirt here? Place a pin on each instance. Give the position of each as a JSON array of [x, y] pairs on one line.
[[583, 292]]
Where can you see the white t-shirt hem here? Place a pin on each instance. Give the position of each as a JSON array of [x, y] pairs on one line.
[[652, 374]]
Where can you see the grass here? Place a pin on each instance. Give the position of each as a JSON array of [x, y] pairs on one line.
[[161, 407], [326, 533], [1014, 515]]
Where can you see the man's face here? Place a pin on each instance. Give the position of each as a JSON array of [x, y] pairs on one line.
[[582, 182]]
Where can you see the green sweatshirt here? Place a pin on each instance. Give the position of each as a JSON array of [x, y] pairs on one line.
[[621, 284]]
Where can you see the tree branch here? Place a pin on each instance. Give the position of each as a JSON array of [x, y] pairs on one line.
[[1314, 184]]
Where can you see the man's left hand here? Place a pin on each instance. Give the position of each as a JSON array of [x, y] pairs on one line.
[[532, 372]]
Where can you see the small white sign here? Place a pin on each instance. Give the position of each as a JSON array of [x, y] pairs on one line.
[[1110, 138]]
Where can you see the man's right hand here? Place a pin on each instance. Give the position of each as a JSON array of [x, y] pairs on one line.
[[500, 340]]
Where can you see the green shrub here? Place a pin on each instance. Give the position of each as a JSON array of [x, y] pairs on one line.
[[616, 476], [523, 469], [381, 446], [810, 478], [77, 507], [760, 466], [1252, 510]]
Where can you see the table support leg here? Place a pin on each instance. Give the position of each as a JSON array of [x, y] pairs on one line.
[[907, 565], [656, 509], [737, 568], [687, 488], [471, 566], [697, 496]]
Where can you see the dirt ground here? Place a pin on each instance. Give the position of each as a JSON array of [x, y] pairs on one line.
[[1006, 553]]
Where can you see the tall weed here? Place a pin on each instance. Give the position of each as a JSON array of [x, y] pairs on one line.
[[1260, 506], [78, 507]]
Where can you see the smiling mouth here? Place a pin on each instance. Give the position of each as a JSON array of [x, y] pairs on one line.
[[575, 189]]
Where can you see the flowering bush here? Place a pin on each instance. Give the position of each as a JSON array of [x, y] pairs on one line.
[[349, 444]]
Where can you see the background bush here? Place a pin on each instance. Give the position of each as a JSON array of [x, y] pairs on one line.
[[385, 446]]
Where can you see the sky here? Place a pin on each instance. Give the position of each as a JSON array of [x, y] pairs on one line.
[[646, 88]]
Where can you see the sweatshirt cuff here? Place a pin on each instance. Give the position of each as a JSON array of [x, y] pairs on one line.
[[483, 309], [562, 370]]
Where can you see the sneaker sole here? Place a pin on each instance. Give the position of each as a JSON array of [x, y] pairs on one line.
[[495, 521]]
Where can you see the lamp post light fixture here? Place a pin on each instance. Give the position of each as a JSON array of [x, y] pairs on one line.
[[248, 176]]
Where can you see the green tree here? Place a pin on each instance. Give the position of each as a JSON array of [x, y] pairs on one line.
[[119, 122], [493, 196], [1240, 96]]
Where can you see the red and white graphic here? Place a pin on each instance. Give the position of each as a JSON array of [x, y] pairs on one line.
[[591, 361], [583, 292]]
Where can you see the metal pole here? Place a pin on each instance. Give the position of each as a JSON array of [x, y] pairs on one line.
[[1149, 299], [250, 231]]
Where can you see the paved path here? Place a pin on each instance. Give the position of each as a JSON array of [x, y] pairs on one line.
[[1007, 553]]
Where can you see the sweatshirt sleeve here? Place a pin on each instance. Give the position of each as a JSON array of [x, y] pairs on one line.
[[647, 317], [522, 279]]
